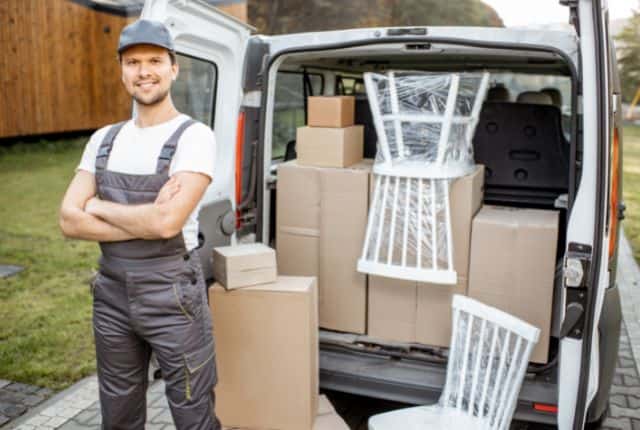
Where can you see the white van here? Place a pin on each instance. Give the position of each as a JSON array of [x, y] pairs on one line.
[[253, 89]]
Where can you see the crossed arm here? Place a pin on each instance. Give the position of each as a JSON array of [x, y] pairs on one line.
[[84, 216]]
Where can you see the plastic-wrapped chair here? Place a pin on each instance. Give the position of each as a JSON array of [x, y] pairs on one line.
[[488, 358], [425, 123]]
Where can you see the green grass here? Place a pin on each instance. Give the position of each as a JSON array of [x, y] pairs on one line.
[[45, 335], [631, 186]]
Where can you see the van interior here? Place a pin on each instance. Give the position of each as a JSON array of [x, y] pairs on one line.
[[526, 136]]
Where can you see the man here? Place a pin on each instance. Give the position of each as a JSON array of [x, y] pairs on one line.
[[137, 192]]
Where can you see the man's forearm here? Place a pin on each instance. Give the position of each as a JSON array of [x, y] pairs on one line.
[[144, 221], [77, 224]]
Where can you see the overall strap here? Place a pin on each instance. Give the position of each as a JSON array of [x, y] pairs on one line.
[[169, 148], [107, 144]]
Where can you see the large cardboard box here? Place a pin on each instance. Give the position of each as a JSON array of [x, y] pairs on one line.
[[513, 259], [321, 221], [267, 354], [326, 419], [407, 311], [330, 147], [244, 265], [330, 111]]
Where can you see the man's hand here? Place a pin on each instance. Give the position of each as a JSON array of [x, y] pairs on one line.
[[162, 219], [168, 190], [76, 223]]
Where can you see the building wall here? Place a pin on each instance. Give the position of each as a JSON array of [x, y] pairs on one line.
[[238, 10], [58, 71]]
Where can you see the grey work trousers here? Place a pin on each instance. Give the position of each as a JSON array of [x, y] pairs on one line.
[[154, 305]]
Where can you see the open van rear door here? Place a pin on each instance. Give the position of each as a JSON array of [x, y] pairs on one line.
[[211, 47], [585, 272]]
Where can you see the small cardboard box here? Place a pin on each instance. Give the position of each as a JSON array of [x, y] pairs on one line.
[[330, 147], [320, 227], [331, 111], [407, 311], [267, 354], [513, 260], [244, 265]]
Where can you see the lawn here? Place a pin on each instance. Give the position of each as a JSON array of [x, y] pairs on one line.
[[631, 186], [45, 334]]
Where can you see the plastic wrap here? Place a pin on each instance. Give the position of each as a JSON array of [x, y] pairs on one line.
[[488, 357], [425, 121], [408, 231]]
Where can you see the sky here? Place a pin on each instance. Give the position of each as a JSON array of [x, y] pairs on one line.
[[521, 12]]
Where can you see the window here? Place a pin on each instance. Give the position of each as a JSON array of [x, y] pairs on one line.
[[289, 113], [194, 92]]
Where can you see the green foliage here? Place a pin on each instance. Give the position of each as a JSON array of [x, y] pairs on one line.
[[45, 335], [628, 42], [290, 16], [630, 187]]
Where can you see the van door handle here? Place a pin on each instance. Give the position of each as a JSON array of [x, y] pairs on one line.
[[621, 209], [572, 316]]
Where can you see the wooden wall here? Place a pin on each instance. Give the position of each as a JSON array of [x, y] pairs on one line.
[[239, 10], [58, 68]]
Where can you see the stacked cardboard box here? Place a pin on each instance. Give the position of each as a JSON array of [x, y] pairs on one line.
[[513, 258], [267, 354], [330, 138], [409, 311], [244, 265], [321, 222]]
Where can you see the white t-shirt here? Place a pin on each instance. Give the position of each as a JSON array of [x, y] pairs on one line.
[[136, 150]]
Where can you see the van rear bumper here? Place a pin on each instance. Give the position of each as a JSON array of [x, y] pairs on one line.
[[412, 381]]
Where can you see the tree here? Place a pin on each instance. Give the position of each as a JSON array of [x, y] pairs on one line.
[[289, 16], [629, 57]]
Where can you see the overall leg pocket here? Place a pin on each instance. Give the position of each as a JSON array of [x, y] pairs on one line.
[[200, 372]]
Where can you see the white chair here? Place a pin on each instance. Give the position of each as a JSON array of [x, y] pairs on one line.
[[488, 358], [425, 123]]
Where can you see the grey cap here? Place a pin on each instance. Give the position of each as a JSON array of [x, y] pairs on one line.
[[145, 32]]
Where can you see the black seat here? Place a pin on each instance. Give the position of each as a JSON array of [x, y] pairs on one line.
[[363, 116], [524, 151]]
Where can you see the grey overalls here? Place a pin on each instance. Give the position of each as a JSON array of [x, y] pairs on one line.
[[150, 295]]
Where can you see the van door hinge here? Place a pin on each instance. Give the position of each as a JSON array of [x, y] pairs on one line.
[[576, 272]]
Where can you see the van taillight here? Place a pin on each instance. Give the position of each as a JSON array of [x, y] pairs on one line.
[[239, 154], [543, 407], [614, 199]]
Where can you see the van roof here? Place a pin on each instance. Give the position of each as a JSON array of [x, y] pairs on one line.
[[557, 37]]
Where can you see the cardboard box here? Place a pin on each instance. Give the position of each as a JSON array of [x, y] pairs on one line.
[[321, 222], [330, 147], [513, 259], [244, 265], [407, 311], [333, 111], [328, 418], [267, 354]]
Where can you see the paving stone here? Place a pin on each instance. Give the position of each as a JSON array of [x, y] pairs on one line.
[[96, 420], [617, 379], [33, 400], [163, 418], [22, 388], [12, 410], [155, 426], [85, 416], [618, 400], [3, 420], [45, 392], [631, 380], [95, 406], [38, 420], [634, 401], [161, 402], [56, 421], [617, 423], [618, 412], [626, 362], [11, 396], [72, 425], [25, 427], [4, 383]]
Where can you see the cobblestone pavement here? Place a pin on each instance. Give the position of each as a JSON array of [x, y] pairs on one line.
[[16, 399], [78, 409]]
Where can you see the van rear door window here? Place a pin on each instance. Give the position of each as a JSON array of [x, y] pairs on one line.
[[289, 107], [194, 91]]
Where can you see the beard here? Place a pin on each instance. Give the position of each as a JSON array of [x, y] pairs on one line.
[[158, 98]]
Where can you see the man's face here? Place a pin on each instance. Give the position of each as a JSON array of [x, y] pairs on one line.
[[147, 73]]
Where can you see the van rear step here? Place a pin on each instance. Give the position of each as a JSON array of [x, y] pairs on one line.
[[358, 368]]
